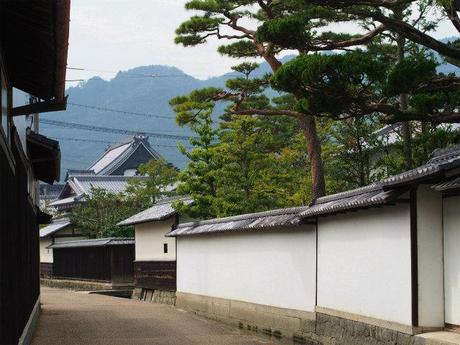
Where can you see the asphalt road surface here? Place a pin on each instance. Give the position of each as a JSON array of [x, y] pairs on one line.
[[69, 318]]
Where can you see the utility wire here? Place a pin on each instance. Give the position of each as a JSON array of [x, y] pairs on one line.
[[129, 73], [119, 111], [104, 141], [112, 130]]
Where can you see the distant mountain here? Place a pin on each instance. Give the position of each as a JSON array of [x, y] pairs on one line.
[[131, 91], [136, 90], [143, 90]]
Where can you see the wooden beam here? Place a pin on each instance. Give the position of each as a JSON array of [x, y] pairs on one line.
[[41, 107], [414, 256]]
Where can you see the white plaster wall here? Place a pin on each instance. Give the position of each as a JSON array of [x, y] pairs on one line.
[[452, 259], [275, 268], [150, 238], [46, 255], [364, 263], [430, 258]]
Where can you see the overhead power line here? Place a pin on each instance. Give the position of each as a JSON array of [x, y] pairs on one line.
[[112, 130], [130, 73], [103, 141], [120, 111]]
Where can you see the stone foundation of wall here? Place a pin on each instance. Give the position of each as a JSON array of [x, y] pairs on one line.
[[76, 285], [155, 296], [301, 327]]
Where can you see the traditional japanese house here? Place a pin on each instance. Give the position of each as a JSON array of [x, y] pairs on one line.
[[60, 230], [124, 158], [381, 259], [106, 260], [33, 59], [155, 260]]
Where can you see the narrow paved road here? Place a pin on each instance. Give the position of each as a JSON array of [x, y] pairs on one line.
[[79, 318]]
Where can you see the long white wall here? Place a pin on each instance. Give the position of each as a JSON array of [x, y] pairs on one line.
[[364, 263], [150, 240], [452, 259], [264, 267], [430, 258]]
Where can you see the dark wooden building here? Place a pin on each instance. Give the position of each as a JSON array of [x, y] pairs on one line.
[[108, 260], [33, 57]]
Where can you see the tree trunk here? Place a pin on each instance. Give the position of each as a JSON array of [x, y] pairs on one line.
[[308, 127], [403, 104]]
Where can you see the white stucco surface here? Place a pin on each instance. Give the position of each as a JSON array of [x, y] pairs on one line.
[[452, 259], [430, 258], [46, 255], [364, 263], [275, 268], [150, 240]]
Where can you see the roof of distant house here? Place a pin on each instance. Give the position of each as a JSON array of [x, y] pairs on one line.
[[98, 242], [50, 191], [162, 210], [381, 193], [115, 155], [79, 185], [54, 227]]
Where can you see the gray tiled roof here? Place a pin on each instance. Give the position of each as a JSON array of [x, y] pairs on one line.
[[440, 160], [160, 211], [54, 227], [98, 242], [116, 155], [112, 184], [253, 221], [82, 184], [372, 195]]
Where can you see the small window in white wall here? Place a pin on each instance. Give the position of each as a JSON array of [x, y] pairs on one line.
[[165, 248]]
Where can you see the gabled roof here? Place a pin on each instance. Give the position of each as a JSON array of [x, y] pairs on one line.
[[54, 227], [377, 194], [98, 242], [160, 211], [116, 155]]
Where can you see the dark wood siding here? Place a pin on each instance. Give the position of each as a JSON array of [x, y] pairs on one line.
[[106, 264], [19, 247], [46, 269], [122, 263], [156, 275]]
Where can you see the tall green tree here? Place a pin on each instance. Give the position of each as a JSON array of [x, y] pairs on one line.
[[160, 180], [235, 21], [244, 163], [198, 180]]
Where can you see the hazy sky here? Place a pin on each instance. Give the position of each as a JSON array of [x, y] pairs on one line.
[[113, 35]]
